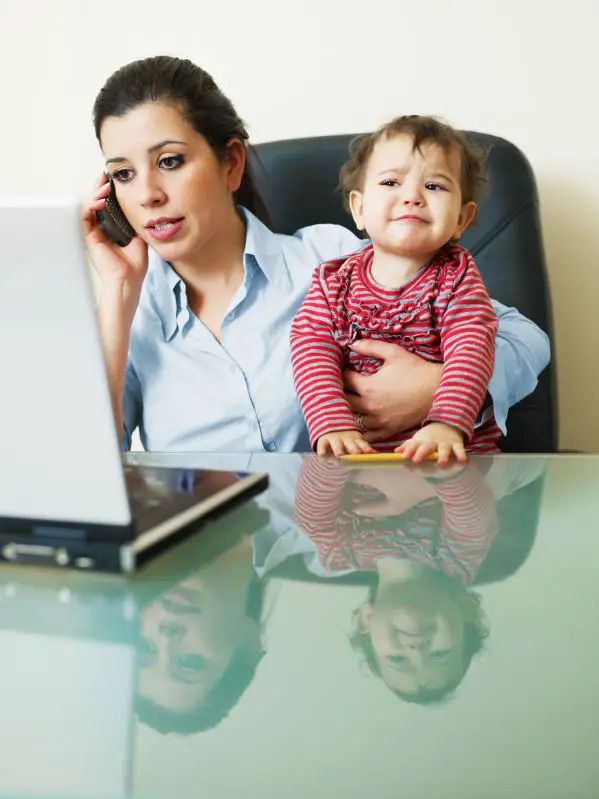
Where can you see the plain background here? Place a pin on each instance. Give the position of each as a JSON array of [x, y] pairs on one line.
[[515, 68]]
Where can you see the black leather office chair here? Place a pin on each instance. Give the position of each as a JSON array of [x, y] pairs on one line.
[[298, 181]]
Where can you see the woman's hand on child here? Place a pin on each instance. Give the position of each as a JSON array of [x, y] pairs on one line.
[[398, 396], [343, 442], [445, 440]]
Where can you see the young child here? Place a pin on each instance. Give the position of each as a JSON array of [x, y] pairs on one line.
[[412, 186]]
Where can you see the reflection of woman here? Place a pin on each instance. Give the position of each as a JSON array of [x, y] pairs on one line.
[[200, 638], [420, 537], [195, 312]]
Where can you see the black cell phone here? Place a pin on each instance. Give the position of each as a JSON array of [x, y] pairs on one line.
[[113, 221]]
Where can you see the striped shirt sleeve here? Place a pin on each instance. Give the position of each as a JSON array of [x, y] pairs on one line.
[[468, 329], [317, 363]]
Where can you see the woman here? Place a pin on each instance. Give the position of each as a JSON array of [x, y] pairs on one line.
[[195, 312]]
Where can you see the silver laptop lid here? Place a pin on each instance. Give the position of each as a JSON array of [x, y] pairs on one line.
[[59, 454]]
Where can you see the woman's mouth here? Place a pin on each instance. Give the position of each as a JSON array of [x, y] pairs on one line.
[[164, 228]]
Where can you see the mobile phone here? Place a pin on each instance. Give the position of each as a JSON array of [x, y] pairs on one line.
[[113, 221]]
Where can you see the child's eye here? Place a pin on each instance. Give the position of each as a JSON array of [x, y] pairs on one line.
[[122, 175], [435, 187], [391, 182], [171, 161]]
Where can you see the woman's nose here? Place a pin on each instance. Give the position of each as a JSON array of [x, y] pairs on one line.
[[171, 629], [151, 191]]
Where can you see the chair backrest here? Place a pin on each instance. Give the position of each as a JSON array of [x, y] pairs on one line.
[[298, 180]]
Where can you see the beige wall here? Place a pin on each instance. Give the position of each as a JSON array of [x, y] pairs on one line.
[[515, 68]]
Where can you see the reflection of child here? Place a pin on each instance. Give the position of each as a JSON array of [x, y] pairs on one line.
[[355, 517], [422, 540], [412, 187]]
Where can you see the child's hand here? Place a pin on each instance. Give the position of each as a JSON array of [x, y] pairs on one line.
[[343, 442], [443, 439]]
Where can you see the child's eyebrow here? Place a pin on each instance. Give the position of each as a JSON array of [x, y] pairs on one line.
[[398, 170], [443, 176]]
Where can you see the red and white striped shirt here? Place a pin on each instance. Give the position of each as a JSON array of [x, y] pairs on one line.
[[442, 314], [451, 531]]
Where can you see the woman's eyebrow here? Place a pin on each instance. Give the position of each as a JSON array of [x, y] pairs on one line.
[[119, 159]]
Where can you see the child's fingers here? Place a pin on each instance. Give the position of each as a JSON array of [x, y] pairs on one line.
[[444, 452], [424, 448], [365, 447], [460, 453], [322, 446], [337, 446], [351, 445], [408, 448]]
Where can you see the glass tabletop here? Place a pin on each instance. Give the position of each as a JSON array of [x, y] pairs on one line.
[[354, 631]]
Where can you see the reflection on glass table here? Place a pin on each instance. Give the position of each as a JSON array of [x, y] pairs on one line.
[[353, 631]]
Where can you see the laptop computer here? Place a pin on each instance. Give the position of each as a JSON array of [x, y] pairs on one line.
[[72, 660], [66, 498]]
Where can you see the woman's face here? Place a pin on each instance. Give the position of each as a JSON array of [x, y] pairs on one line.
[[172, 188], [190, 635]]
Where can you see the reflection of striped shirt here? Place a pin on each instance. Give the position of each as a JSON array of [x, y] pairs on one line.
[[442, 314], [450, 532]]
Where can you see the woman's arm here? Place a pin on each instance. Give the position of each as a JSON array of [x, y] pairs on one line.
[[121, 272], [522, 351], [400, 394]]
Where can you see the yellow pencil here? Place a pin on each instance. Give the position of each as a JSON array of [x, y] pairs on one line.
[[375, 457]]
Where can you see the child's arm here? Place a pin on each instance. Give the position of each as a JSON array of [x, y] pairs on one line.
[[468, 329], [317, 362], [469, 522]]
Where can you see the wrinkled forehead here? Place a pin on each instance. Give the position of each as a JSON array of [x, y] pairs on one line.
[[399, 151]]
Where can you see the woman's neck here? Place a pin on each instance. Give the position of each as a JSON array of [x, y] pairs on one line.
[[219, 262]]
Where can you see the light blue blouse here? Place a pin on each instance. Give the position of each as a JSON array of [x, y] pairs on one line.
[[188, 392]]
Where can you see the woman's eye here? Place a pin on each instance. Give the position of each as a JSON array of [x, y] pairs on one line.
[[122, 175], [441, 654], [435, 187], [147, 651], [171, 161], [193, 663]]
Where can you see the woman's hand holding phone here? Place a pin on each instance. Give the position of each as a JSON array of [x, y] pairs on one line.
[[121, 271], [123, 267]]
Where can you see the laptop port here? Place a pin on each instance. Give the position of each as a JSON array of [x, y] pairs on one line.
[[35, 554]]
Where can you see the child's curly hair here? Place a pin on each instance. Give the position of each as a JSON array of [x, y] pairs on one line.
[[423, 130]]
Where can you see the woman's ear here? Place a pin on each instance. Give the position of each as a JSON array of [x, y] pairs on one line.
[[363, 618], [235, 157]]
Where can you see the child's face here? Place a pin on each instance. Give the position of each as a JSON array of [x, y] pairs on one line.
[[411, 200], [418, 639]]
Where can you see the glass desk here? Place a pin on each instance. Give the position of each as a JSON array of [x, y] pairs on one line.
[[352, 632]]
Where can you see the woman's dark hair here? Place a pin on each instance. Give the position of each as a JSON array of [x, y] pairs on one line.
[[181, 83], [224, 695]]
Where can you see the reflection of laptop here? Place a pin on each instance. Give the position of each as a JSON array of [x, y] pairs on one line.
[[69, 656], [64, 496]]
